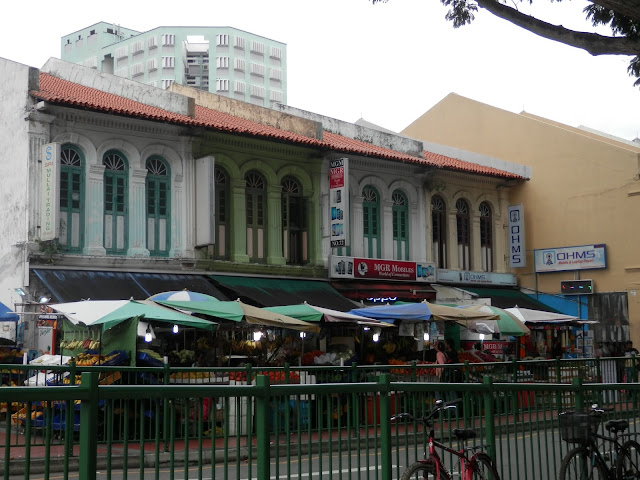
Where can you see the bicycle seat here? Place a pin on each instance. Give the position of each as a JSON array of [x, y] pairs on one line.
[[616, 425], [463, 433]]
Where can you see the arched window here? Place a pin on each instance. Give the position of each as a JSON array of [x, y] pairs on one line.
[[71, 235], [255, 201], [371, 221], [439, 234], [116, 186], [463, 224], [158, 206], [294, 222], [222, 213], [400, 226], [486, 237]]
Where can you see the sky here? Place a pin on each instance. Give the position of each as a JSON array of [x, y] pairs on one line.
[[387, 63]]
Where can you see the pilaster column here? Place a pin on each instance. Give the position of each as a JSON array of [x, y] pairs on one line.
[[238, 234], [178, 229], [94, 211], [356, 230], [476, 250], [386, 229], [137, 214], [453, 262], [274, 226]]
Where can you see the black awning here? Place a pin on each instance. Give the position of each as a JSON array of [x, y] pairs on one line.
[[76, 285], [273, 292], [509, 298], [385, 291]]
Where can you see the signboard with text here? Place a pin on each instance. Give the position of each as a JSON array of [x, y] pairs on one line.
[[339, 202], [477, 278], [50, 182], [376, 269], [582, 257], [517, 251]]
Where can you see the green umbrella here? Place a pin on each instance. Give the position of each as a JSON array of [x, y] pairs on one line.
[[109, 313], [238, 311]]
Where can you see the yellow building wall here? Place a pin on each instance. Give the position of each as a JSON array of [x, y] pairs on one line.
[[584, 188]]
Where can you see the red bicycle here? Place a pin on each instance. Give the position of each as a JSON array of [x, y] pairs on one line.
[[474, 463]]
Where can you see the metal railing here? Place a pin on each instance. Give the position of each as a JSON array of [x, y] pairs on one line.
[[337, 427]]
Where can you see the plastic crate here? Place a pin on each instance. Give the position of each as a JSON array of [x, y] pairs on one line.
[[578, 427]]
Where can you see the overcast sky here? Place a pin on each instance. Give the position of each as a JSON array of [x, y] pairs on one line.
[[387, 63]]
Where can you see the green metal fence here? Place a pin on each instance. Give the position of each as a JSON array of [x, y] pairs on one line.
[[161, 420]]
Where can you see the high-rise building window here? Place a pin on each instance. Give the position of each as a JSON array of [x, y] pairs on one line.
[[71, 198], [158, 206], [255, 203], [115, 202], [400, 226], [463, 225], [294, 222], [486, 237], [438, 231], [371, 221]]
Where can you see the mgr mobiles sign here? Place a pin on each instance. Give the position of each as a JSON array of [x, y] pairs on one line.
[[50, 200], [339, 201]]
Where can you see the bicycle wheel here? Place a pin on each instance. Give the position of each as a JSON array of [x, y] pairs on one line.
[[420, 470], [628, 462], [483, 468], [579, 464]]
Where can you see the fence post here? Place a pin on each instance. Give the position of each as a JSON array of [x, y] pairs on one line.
[[577, 384], [89, 427], [489, 417], [466, 398], [263, 401], [385, 426], [166, 376]]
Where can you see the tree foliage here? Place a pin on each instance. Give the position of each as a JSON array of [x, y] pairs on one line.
[[621, 16]]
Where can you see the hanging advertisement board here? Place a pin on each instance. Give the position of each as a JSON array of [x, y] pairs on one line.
[[339, 202], [582, 257], [377, 269], [49, 193], [517, 250]]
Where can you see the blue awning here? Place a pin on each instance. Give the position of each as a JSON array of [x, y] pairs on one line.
[[389, 313], [7, 315]]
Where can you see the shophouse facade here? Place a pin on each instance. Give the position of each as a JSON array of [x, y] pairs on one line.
[[582, 200], [121, 190], [223, 60]]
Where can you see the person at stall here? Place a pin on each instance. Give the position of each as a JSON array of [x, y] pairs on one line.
[[441, 359]]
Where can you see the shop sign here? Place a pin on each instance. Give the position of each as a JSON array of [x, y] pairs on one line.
[[371, 268], [517, 251], [492, 346], [339, 201], [476, 278], [50, 182], [582, 257]]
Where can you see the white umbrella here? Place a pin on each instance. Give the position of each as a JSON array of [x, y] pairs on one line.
[[529, 315]]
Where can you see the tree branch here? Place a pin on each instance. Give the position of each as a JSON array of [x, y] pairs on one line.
[[593, 43]]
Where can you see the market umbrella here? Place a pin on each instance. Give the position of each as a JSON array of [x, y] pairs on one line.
[[182, 296], [528, 315], [448, 313], [110, 313], [505, 324], [313, 313], [7, 315], [238, 311], [390, 313]]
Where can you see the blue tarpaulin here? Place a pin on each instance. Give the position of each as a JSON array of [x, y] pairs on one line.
[[7, 315], [389, 313]]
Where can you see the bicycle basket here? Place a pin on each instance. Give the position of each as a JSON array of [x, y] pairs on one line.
[[578, 427]]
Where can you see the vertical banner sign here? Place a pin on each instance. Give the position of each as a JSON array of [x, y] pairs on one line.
[[339, 201], [517, 249], [50, 200]]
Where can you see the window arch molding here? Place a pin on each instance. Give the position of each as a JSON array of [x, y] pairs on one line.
[[169, 155], [130, 152], [264, 169], [300, 175], [410, 190], [86, 146]]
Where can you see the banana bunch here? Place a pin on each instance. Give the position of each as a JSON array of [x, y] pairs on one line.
[[389, 347], [86, 344]]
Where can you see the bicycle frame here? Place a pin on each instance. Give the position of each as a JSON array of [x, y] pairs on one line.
[[465, 472]]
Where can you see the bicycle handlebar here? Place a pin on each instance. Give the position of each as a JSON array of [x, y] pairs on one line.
[[440, 405]]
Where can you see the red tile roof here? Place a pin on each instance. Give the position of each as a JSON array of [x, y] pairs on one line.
[[58, 91]]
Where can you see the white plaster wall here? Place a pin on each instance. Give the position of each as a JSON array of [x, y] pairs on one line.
[[14, 165]]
